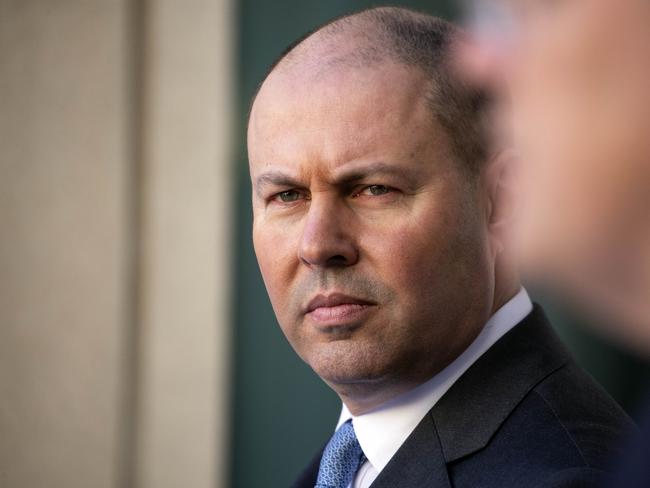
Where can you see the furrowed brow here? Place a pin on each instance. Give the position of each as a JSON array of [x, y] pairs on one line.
[[273, 178], [369, 171]]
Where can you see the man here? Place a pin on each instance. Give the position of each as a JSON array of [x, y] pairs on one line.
[[381, 227], [577, 75]]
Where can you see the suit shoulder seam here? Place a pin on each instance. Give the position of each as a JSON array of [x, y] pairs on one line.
[[569, 435]]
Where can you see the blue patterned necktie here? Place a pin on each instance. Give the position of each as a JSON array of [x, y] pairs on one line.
[[341, 459]]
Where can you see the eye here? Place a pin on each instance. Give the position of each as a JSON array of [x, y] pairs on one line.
[[287, 196], [375, 190]]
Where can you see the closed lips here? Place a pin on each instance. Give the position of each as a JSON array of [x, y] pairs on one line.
[[337, 310], [335, 300]]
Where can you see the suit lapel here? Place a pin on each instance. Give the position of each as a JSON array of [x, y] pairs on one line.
[[469, 414]]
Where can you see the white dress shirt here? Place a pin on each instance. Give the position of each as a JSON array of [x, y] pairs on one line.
[[382, 431]]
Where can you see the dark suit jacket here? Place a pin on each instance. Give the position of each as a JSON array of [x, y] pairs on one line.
[[523, 415], [633, 468]]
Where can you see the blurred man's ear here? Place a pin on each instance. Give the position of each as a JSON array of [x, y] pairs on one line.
[[502, 183]]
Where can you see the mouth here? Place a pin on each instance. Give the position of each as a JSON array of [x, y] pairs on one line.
[[337, 310]]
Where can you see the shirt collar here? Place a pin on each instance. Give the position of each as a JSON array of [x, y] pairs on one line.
[[382, 431]]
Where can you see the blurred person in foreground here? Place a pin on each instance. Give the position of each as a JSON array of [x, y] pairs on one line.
[[575, 82], [382, 224], [577, 74]]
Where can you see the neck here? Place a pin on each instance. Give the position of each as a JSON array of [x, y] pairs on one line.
[[504, 295], [507, 284], [366, 396]]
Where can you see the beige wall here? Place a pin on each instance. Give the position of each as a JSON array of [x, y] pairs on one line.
[[184, 281], [114, 194]]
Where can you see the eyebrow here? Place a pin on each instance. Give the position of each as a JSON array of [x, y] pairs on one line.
[[373, 169], [274, 178], [345, 176]]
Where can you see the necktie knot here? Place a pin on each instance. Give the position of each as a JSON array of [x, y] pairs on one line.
[[341, 459]]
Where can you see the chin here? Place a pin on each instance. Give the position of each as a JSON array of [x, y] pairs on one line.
[[342, 363]]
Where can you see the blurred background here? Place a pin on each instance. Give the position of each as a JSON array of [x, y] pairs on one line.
[[137, 345]]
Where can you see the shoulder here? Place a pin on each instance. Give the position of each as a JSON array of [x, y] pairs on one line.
[[564, 433], [591, 420], [581, 477], [549, 423]]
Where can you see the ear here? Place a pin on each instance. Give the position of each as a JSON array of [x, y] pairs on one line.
[[502, 180]]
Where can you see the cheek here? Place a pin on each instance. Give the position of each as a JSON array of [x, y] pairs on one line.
[[273, 257], [577, 82], [418, 256], [553, 68], [396, 262], [580, 105], [273, 250]]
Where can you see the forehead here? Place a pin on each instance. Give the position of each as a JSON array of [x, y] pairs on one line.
[[332, 117]]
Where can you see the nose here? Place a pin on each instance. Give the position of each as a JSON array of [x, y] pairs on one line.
[[328, 236]]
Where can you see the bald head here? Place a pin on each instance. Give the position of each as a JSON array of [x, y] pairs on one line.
[[359, 145], [372, 38]]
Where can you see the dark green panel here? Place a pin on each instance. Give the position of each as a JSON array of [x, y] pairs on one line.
[[282, 412]]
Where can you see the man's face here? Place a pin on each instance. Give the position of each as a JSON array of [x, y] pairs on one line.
[[371, 241], [577, 73]]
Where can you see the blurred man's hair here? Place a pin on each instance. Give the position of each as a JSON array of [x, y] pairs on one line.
[[414, 39]]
